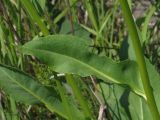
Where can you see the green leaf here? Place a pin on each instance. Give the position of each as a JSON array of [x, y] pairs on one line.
[[78, 94], [123, 104], [126, 105], [138, 108], [35, 16], [24, 88], [154, 77], [78, 30], [2, 113], [39, 5], [148, 18], [69, 105], [70, 54]]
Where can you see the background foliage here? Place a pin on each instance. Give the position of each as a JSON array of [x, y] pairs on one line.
[[73, 59]]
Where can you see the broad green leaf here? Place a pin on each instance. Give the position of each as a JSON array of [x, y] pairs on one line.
[[138, 108], [126, 105], [25, 89], [70, 54], [123, 104], [154, 77]]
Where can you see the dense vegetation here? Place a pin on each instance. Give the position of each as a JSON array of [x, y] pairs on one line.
[[79, 60]]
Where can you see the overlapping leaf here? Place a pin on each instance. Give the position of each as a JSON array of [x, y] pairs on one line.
[[25, 89], [135, 106], [124, 104], [70, 54]]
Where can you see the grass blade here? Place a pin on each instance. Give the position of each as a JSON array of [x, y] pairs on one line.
[[34, 15], [146, 22], [79, 96]]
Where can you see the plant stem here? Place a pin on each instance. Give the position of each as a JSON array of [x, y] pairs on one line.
[[70, 16], [64, 99], [78, 95], [63, 13], [150, 13], [34, 15], [8, 20], [91, 13], [19, 26], [140, 59]]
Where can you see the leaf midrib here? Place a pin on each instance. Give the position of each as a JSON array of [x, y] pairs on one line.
[[90, 67]]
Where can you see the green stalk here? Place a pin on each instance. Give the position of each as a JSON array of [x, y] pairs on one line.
[[91, 14], [19, 19], [112, 24], [14, 110], [130, 3], [140, 59], [34, 15], [20, 33], [2, 113], [63, 13], [64, 99], [102, 4], [150, 13], [78, 95]]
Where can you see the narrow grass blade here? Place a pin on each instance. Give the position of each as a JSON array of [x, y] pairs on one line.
[[149, 15], [34, 15], [79, 96]]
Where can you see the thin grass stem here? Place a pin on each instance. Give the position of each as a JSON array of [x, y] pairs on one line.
[[140, 59]]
